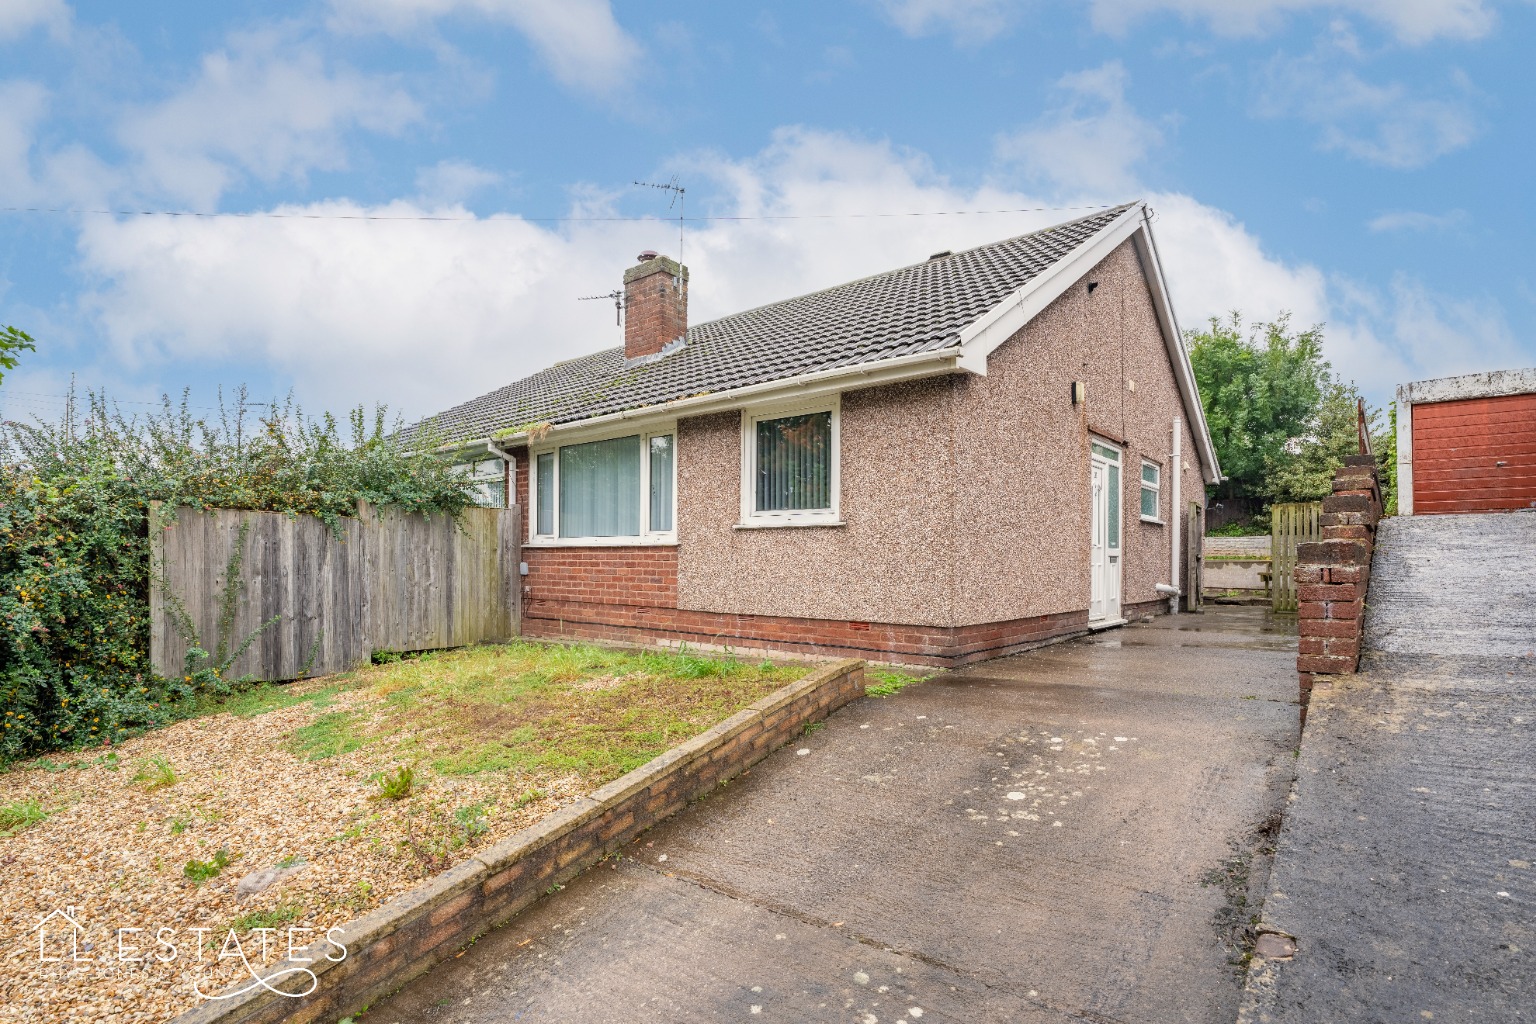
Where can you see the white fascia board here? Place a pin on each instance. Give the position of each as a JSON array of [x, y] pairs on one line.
[[1178, 353], [805, 386], [1008, 317]]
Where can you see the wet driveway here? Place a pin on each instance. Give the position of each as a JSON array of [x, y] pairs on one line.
[[1064, 835]]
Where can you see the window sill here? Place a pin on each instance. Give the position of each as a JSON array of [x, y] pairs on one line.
[[782, 524], [601, 542], [1154, 522]]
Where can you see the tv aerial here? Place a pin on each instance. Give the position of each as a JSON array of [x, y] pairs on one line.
[[617, 295], [679, 199]]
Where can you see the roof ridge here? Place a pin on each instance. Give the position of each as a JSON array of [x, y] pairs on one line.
[[912, 266]]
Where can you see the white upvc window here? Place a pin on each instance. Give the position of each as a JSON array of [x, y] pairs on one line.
[[606, 490], [790, 458], [1151, 491], [488, 481]]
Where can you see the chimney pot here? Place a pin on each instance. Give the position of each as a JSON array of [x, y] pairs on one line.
[[655, 304]]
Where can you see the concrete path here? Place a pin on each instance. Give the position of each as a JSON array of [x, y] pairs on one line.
[[1405, 869], [1064, 835]]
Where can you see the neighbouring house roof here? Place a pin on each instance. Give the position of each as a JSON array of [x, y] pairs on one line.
[[917, 309]]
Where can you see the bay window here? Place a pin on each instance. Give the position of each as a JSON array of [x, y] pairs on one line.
[[610, 490]]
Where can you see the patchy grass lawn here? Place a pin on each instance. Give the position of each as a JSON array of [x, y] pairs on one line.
[[352, 788]]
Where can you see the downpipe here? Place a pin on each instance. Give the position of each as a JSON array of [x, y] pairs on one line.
[[1176, 465]]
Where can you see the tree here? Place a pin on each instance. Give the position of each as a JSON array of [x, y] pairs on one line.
[[13, 341], [1261, 388], [1305, 470]]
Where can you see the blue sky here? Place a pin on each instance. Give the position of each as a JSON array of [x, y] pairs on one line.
[[1364, 163]]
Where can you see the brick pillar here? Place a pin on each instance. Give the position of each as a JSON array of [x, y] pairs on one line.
[[1332, 577]]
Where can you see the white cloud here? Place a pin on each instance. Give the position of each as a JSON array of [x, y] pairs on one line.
[[22, 105], [426, 314], [33, 176], [265, 107], [1215, 266], [1416, 220], [1410, 21], [580, 40], [1092, 142], [451, 182], [18, 17], [971, 21], [1440, 336], [1381, 124]]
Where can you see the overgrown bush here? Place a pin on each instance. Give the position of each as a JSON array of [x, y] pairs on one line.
[[74, 543]]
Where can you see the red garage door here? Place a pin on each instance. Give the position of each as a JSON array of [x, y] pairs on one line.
[[1476, 455]]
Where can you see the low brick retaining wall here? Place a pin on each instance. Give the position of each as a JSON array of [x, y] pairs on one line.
[[1333, 576], [411, 933]]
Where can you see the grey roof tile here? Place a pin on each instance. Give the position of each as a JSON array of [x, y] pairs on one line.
[[921, 308]]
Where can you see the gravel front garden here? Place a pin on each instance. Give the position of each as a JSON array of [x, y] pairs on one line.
[[329, 796]]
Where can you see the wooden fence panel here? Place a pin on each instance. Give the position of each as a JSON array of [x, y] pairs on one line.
[[389, 581], [1291, 523]]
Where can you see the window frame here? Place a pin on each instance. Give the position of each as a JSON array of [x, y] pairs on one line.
[[751, 416], [647, 536], [496, 476], [1157, 491]]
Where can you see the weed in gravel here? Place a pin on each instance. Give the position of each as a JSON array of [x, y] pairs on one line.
[[292, 860], [180, 825], [811, 727], [251, 701], [362, 892], [472, 821], [155, 773], [527, 797], [20, 815], [398, 784], [885, 682], [110, 761], [202, 870], [276, 917], [327, 736]]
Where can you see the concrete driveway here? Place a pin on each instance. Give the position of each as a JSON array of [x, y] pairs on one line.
[[1064, 835], [1405, 870]]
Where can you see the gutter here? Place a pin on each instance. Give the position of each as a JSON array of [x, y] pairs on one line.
[[884, 371]]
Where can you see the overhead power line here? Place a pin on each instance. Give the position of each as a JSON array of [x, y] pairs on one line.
[[276, 215]]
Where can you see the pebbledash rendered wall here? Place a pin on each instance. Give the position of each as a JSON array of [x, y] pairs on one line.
[[965, 501]]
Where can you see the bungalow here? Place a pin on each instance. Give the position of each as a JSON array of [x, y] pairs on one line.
[[951, 461]]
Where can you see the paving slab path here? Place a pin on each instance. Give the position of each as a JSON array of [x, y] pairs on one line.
[[1063, 835], [1407, 865]]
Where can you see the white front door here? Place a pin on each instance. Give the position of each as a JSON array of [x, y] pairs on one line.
[[1104, 523]]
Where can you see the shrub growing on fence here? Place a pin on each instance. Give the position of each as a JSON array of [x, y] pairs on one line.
[[74, 544]]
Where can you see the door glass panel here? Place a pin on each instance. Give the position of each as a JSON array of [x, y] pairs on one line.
[[1114, 506]]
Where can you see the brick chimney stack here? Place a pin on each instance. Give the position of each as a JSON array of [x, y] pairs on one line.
[[655, 304]]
